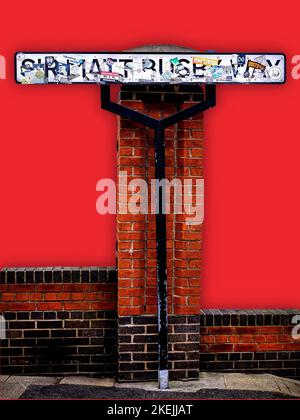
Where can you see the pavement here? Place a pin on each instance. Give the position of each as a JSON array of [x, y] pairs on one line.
[[209, 385]]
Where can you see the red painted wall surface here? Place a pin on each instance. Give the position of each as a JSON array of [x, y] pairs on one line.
[[56, 143]]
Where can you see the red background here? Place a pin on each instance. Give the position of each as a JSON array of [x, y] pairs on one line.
[[56, 143]]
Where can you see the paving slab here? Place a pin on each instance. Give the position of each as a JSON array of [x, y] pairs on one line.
[[87, 381], [205, 381], [289, 386], [265, 383], [36, 380], [10, 391], [3, 378]]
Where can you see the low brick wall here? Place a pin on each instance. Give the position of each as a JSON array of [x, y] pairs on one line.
[[65, 321], [249, 342], [59, 321]]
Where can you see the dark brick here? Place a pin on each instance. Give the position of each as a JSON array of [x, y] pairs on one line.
[[222, 356], [247, 356], [63, 333], [22, 342], [132, 330], [144, 320], [38, 276], [131, 366], [125, 357], [144, 338], [36, 333], [50, 315], [144, 376], [186, 347], [177, 338], [49, 324], [20, 277], [270, 364], [112, 276], [243, 320], [207, 357], [177, 375], [173, 356], [36, 315], [94, 276], [75, 276], [77, 324], [76, 315], [126, 348], [2, 277], [23, 315], [10, 277], [144, 357], [57, 276], [186, 328], [17, 351], [125, 320], [295, 355], [271, 356], [291, 364], [48, 276], [10, 316], [67, 277], [102, 275], [285, 355], [29, 276], [22, 325], [188, 364], [63, 315], [246, 364], [259, 356], [90, 315]]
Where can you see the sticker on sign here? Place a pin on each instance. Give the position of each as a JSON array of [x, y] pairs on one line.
[[147, 68]]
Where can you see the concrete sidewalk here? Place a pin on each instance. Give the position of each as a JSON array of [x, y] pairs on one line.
[[12, 387]]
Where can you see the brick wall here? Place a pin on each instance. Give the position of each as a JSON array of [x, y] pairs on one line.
[[249, 342], [59, 321], [82, 340], [136, 233]]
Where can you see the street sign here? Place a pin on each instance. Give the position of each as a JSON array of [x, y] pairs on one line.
[[147, 68]]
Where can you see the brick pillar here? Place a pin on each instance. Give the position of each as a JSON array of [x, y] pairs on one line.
[[137, 292]]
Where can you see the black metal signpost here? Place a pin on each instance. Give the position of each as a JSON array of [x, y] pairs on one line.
[[196, 68], [159, 126]]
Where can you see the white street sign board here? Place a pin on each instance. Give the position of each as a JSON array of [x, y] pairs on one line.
[[147, 68]]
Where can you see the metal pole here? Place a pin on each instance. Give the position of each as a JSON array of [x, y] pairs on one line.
[[161, 266]]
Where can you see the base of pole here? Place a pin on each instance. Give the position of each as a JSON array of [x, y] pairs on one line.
[[163, 379]]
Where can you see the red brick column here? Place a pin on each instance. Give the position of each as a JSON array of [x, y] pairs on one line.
[[136, 235]]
